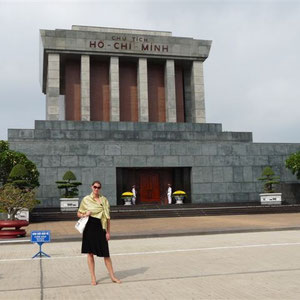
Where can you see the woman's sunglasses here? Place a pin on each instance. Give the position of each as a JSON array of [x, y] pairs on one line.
[[97, 187]]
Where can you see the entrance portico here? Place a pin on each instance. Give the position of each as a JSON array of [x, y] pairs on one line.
[[152, 183]]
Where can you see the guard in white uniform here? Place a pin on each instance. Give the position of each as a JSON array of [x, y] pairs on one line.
[[169, 193], [133, 191]]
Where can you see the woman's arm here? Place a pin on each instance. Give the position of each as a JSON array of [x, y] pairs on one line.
[[81, 215], [108, 230], [108, 226]]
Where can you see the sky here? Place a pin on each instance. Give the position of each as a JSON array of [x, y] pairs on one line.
[[251, 77]]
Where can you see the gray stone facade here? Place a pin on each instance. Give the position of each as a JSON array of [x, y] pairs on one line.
[[224, 165]]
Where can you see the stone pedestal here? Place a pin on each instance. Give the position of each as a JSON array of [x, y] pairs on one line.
[[127, 201], [270, 198], [69, 204]]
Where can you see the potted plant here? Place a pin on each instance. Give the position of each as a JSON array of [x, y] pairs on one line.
[[18, 181], [269, 180], [179, 196], [19, 177], [12, 200], [127, 197], [69, 199]]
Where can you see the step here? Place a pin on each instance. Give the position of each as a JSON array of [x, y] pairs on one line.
[[165, 211]]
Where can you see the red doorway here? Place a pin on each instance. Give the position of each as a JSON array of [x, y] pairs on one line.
[[149, 187], [152, 183]]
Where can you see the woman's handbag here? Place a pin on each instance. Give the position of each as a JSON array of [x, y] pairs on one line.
[[80, 225]]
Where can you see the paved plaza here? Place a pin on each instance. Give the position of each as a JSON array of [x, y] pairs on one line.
[[252, 265], [160, 227]]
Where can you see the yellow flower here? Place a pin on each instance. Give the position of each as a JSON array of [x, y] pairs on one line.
[[127, 194], [179, 193]]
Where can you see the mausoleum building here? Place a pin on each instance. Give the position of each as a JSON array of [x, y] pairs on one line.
[[127, 107], [107, 74]]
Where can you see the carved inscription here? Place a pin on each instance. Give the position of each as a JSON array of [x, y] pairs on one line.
[[124, 43]]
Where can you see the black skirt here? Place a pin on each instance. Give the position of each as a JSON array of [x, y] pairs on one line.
[[94, 238]]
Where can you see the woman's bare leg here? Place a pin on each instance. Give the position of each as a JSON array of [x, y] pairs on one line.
[[91, 264], [110, 270]]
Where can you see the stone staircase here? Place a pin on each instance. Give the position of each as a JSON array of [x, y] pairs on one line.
[[166, 211]]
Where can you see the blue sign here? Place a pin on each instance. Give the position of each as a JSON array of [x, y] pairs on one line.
[[42, 236]]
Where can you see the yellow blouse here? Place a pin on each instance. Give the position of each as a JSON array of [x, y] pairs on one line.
[[100, 211]]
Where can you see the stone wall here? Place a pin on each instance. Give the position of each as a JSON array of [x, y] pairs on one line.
[[224, 165]]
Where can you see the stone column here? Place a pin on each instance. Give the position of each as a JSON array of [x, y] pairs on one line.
[[114, 89], [170, 91], [197, 93], [85, 87], [52, 88], [143, 90]]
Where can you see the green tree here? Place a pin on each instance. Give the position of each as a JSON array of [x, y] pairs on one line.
[[12, 199], [19, 177], [269, 179], [293, 164], [69, 185], [3, 146], [10, 158]]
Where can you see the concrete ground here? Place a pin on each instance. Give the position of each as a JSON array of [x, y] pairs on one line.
[[158, 227], [253, 265], [162, 258]]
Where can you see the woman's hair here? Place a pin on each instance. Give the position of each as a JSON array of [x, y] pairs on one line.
[[96, 181]]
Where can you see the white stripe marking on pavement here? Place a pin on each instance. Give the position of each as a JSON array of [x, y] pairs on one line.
[[13, 241], [166, 251]]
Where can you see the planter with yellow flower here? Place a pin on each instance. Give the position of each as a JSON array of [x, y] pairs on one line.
[[179, 196], [127, 197]]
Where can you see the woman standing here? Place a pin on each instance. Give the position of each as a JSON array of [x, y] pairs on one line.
[[97, 231]]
